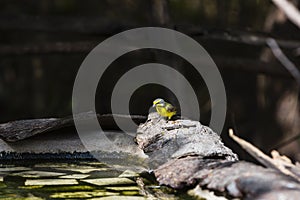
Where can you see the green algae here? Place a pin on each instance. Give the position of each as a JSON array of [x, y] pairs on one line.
[[60, 188], [123, 188], [82, 194], [122, 198]]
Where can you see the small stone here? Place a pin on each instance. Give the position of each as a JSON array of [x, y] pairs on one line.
[[37, 174], [86, 170], [129, 173], [123, 188], [82, 194], [51, 182], [109, 181], [75, 176], [11, 169]]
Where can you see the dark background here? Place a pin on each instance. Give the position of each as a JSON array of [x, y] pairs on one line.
[[43, 43]]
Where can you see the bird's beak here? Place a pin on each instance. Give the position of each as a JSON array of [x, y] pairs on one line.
[[153, 105]]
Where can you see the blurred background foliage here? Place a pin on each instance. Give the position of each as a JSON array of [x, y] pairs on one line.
[[43, 43]]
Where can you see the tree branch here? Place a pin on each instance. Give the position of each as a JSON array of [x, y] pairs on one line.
[[290, 11], [283, 59]]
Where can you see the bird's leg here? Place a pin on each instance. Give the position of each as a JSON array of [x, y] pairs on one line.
[[168, 119]]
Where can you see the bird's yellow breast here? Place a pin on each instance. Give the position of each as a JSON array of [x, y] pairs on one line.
[[164, 112]]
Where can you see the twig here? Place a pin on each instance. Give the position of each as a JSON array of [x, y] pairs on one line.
[[293, 71], [286, 142], [289, 10], [297, 52], [283, 59], [277, 163]]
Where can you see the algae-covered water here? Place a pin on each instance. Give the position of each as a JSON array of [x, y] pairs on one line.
[[36, 180]]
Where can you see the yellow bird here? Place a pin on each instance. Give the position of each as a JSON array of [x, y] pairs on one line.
[[163, 108]]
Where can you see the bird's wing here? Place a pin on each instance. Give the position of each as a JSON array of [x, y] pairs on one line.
[[170, 108]]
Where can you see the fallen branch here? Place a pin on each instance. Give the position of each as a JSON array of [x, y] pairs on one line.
[[286, 142], [279, 163]]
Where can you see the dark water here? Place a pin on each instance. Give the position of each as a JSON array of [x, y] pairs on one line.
[[78, 180]]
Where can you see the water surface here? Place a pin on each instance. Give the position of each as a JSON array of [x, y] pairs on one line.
[[78, 180]]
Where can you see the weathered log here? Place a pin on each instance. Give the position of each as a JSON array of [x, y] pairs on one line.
[[22, 129], [193, 155], [176, 139]]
